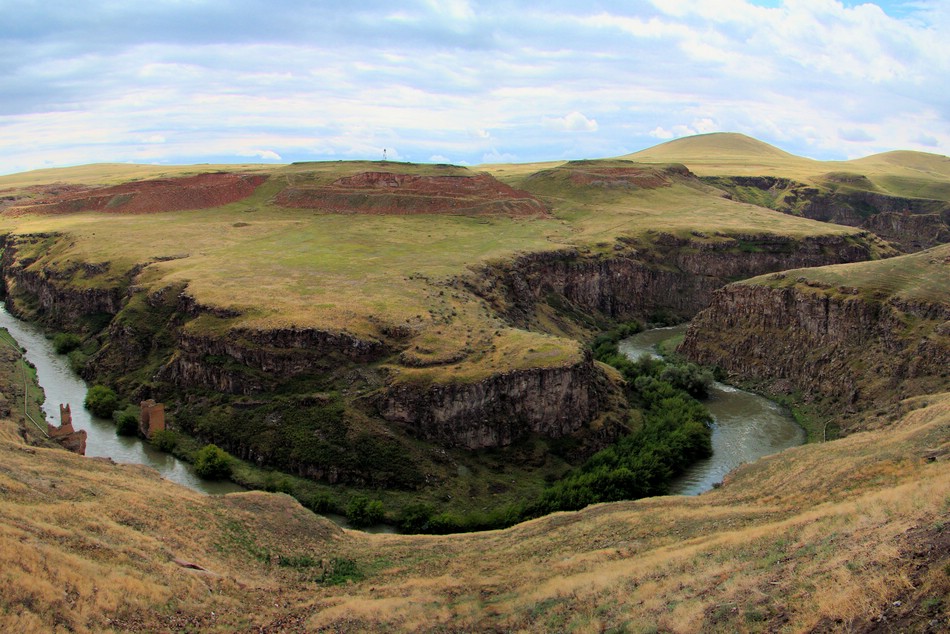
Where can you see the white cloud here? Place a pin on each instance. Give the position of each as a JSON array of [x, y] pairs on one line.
[[572, 122], [195, 82]]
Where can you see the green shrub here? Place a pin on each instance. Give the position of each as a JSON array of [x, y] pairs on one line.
[[361, 512], [340, 570], [415, 518], [66, 342], [101, 401], [212, 463], [127, 424], [165, 439]]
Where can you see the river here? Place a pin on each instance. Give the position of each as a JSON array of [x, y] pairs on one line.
[[747, 426], [62, 385]]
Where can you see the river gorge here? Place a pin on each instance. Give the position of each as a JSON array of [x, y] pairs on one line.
[[747, 426]]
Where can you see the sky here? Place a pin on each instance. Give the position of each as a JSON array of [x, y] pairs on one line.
[[463, 81]]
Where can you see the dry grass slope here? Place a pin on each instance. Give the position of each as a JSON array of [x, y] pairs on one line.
[[823, 537]]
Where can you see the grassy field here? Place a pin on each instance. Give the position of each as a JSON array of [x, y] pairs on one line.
[[366, 274], [917, 277]]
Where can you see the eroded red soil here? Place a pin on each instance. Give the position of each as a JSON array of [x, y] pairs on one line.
[[639, 177], [388, 193], [138, 197]]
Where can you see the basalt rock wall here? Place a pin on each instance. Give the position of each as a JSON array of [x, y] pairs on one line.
[[244, 361], [845, 351], [46, 293], [675, 277], [498, 410]]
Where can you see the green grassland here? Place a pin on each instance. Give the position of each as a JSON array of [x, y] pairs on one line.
[[919, 278]]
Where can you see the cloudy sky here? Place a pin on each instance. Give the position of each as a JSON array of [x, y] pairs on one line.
[[463, 81]]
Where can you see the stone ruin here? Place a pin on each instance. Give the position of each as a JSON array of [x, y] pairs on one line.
[[151, 417], [65, 435]]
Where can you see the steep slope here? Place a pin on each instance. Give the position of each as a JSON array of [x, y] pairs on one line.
[[842, 536], [856, 339]]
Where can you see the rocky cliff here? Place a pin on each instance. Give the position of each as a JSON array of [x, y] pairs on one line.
[[162, 343], [846, 350], [496, 411], [845, 198], [670, 277], [40, 291]]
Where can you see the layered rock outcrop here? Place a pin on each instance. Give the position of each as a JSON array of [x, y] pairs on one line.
[[201, 191], [847, 351], [674, 277], [401, 194], [500, 409], [911, 223], [51, 295]]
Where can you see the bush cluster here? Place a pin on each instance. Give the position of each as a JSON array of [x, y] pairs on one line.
[[212, 463], [362, 512], [101, 401], [127, 424], [66, 342]]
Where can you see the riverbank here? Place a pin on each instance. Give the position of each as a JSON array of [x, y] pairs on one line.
[[746, 425], [62, 386]]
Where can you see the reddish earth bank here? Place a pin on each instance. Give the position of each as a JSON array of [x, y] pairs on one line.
[[628, 177], [388, 193], [202, 191]]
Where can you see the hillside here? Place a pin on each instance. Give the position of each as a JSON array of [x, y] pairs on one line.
[[852, 340], [902, 196], [842, 536]]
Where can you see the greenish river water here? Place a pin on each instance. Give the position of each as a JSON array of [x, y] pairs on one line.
[[62, 385], [747, 426]]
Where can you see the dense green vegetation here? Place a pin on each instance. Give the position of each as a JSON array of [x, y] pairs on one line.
[[300, 434], [66, 342], [101, 401], [127, 424], [212, 463], [673, 433]]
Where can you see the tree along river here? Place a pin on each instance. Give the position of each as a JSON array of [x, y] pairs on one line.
[[62, 385], [746, 426]]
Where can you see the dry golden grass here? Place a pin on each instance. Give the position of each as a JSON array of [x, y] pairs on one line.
[[916, 277], [822, 537], [901, 173], [114, 173]]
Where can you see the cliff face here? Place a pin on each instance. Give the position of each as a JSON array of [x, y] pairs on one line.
[[911, 223], [848, 352], [496, 411], [245, 361], [153, 346], [675, 277], [50, 294]]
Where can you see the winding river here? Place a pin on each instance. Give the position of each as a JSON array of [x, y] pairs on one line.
[[747, 426], [62, 385]]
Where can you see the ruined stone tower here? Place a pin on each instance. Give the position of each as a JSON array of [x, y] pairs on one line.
[[151, 417]]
